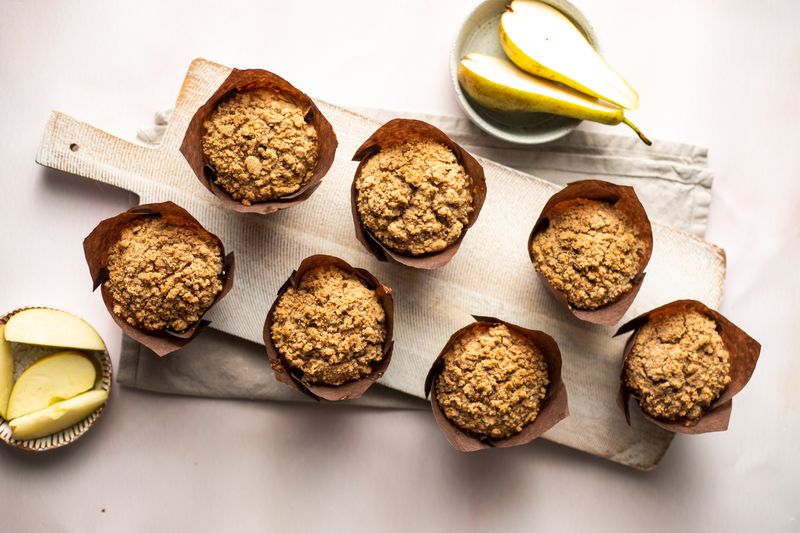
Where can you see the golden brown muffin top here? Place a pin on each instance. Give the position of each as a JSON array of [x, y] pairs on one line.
[[331, 327], [162, 276], [414, 197], [589, 252], [493, 382], [260, 146], [677, 366]]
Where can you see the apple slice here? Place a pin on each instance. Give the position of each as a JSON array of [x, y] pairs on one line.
[[58, 416], [6, 371], [51, 327], [50, 380]]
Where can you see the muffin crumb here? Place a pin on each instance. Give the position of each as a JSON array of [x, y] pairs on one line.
[[162, 276], [493, 382], [260, 146], [589, 252], [331, 327], [414, 197], [677, 366]]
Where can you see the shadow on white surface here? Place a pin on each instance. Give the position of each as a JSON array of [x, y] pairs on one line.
[[55, 185]]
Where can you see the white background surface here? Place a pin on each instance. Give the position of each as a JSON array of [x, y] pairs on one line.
[[724, 74]]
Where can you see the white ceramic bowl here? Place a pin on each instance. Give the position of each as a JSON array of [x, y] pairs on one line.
[[480, 33], [74, 432]]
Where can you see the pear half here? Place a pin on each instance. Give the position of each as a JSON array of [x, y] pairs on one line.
[[50, 380], [541, 40], [497, 84], [6, 371], [58, 416], [51, 327]]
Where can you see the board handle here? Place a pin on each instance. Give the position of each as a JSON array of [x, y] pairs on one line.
[[79, 148]]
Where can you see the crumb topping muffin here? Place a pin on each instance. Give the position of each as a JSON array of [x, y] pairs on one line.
[[414, 197], [260, 146], [677, 366], [493, 382], [162, 276], [589, 252], [331, 327]]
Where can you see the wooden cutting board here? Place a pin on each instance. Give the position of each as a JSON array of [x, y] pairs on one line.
[[491, 275]]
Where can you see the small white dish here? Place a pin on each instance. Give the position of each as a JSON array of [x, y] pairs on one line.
[[480, 33], [69, 435]]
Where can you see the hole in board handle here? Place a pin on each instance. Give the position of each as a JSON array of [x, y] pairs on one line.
[[74, 147]]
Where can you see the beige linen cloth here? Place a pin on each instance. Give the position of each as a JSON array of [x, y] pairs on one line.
[[491, 275]]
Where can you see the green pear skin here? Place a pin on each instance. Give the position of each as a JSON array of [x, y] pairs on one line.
[[497, 84], [542, 41]]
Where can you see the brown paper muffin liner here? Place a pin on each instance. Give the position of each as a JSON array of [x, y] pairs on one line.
[[102, 363], [243, 81], [623, 198], [743, 351], [352, 389], [98, 244], [398, 131], [554, 409]]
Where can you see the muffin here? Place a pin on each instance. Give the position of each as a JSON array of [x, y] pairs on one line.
[[160, 271], [414, 197], [496, 385], [589, 252], [163, 276], [415, 194], [590, 245], [493, 382], [330, 328], [678, 366], [260, 145], [683, 364]]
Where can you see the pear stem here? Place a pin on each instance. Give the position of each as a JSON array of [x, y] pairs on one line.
[[644, 139]]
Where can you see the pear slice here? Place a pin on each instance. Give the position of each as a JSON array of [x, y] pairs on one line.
[[497, 84], [51, 327], [50, 380], [6, 371], [58, 416], [541, 40]]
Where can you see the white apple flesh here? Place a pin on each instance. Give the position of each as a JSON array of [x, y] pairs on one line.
[[50, 380], [6, 371], [58, 416], [51, 327]]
